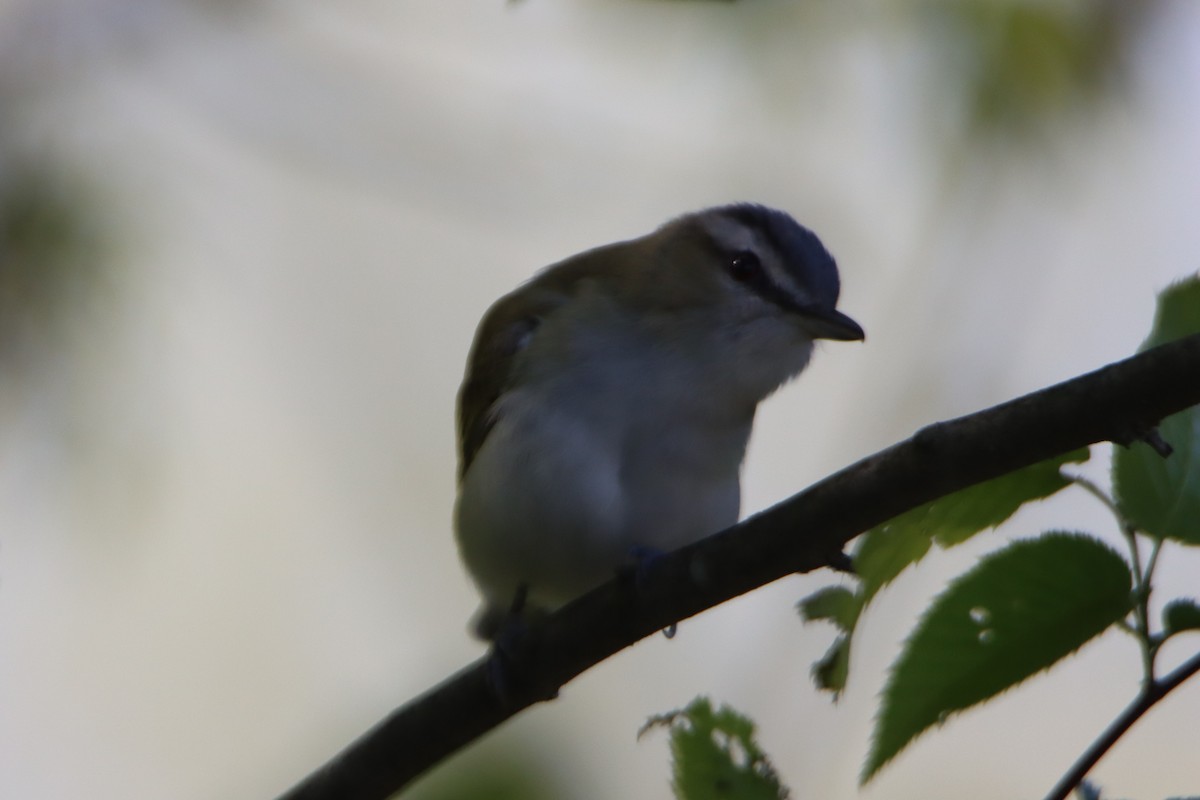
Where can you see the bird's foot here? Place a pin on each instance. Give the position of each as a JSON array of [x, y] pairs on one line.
[[642, 561], [515, 639]]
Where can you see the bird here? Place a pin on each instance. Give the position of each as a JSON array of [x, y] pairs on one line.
[[608, 401]]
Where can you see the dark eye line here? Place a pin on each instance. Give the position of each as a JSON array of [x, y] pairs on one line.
[[746, 268]]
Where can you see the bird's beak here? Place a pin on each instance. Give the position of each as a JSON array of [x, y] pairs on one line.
[[829, 323]]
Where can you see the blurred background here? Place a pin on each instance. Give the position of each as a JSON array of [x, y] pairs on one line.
[[243, 247]]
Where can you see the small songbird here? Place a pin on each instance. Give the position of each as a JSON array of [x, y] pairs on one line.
[[608, 401]]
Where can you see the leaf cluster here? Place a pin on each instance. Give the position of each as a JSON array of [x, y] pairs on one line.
[[1020, 609]]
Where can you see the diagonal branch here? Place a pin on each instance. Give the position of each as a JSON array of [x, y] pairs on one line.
[[1151, 693], [807, 531]]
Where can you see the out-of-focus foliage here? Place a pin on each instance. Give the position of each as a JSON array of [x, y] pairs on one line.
[[48, 251], [511, 776], [1012, 65], [1017, 64]]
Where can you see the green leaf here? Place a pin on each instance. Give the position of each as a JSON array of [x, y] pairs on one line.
[[841, 606], [1181, 615], [1018, 611], [1178, 313], [1161, 496], [884, 552], [716, 757], [836, 604], [831, 672]]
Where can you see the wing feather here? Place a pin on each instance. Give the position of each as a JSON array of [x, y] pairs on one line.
[[506, 330]]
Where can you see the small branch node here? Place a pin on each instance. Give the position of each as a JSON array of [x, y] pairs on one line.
[[1160, 445], [841, 562], [930, 438], [1148, 433]]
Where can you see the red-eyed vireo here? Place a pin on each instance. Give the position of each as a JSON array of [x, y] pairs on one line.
[[608, 401]]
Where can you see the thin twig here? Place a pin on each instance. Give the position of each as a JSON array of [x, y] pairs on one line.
[[1152, 562], [1151, 693], [1142, 578], [1095, 491]]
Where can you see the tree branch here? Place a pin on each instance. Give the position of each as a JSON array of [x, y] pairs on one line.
[[1119, 402]]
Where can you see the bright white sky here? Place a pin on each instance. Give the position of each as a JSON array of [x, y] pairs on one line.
[[224, 506]]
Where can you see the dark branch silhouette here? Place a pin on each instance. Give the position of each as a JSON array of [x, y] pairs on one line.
[[1150, 694], [1121, 402]]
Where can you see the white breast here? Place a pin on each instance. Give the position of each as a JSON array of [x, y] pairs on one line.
[[576, 474]]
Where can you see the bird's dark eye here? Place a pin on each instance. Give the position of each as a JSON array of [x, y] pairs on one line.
[[744, 265]]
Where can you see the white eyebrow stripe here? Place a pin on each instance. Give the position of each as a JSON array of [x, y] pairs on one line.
[[732, 234]]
